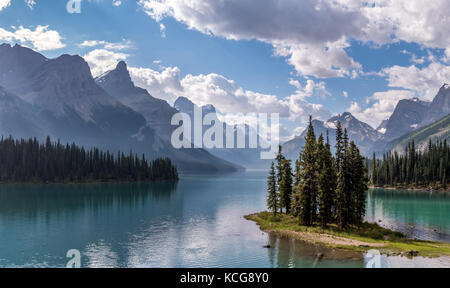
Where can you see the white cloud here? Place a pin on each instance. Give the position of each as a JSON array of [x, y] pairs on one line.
[[311, 88], [30, 3], [164, 85], [125, 44], [162, 29], [227, 96], [314, 35], [383, 105], [41, 38], [311, 34], [102, 60], [424, 82], [4, 4], [117, 3]]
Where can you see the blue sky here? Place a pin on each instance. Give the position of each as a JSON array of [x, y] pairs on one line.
[[292, 57]]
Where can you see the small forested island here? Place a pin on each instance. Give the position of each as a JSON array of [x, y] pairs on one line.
[[324, 201], [415, 169], [28, 161]]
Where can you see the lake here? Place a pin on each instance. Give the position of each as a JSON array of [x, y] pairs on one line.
[[197, 222]]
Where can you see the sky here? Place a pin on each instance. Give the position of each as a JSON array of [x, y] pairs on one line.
[[295, 58]]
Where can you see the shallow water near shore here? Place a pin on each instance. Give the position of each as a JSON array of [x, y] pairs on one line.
[[195, 223]]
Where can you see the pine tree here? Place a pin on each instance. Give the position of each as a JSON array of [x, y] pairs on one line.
[[308, 178], [286, 186], [339, 145], [280, 167], [340, 197], [327, 183], [272, 197], [358, 187], [295, 201], [30, 161]]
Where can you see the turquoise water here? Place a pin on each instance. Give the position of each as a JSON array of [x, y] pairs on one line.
[[195, 223]]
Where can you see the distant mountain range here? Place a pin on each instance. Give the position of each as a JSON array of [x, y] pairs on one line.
[[411, 119], [363, 134], [421, 136], [60, 98], [249, 158]]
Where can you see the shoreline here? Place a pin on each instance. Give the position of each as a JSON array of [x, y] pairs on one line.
[[388, 242], [89, 182], [418, 189]]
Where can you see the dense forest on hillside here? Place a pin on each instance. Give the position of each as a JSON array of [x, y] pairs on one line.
[[34, 162], [323, 189], [414, 169]]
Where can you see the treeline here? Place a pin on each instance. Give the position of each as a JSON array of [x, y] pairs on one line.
[[31, 161], [413, 168], [324, 188]]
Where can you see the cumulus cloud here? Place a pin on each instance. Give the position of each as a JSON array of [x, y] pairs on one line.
[[164, 85], [230, 97], [4, 4], [311, 88], [41, 38], [227, 96], [424, 82], [102, 60], [313, 35]]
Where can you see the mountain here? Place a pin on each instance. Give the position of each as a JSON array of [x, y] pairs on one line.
[[62, 100], [363, 134], [408, 115], [72, 105], [158, 113], [421, 136], [440, 107], [411, 114], [249, 158], [17, 117]]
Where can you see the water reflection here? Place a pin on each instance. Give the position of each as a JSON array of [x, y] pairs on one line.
[[291, 253], [418, 214], [197, 223]]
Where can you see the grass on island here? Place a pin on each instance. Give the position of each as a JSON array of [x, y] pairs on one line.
[[369, 236]]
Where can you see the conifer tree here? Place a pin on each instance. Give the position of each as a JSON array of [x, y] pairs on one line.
[[414, 168], [295, 201], [327, 182], [340, 197], [286, 186], [308, 178], [31, 161], [373, 165], [339, 145], [272, 197], [280, 166], [358, 186]]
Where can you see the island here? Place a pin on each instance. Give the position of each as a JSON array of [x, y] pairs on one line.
[[367, 237], [324, 200]]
